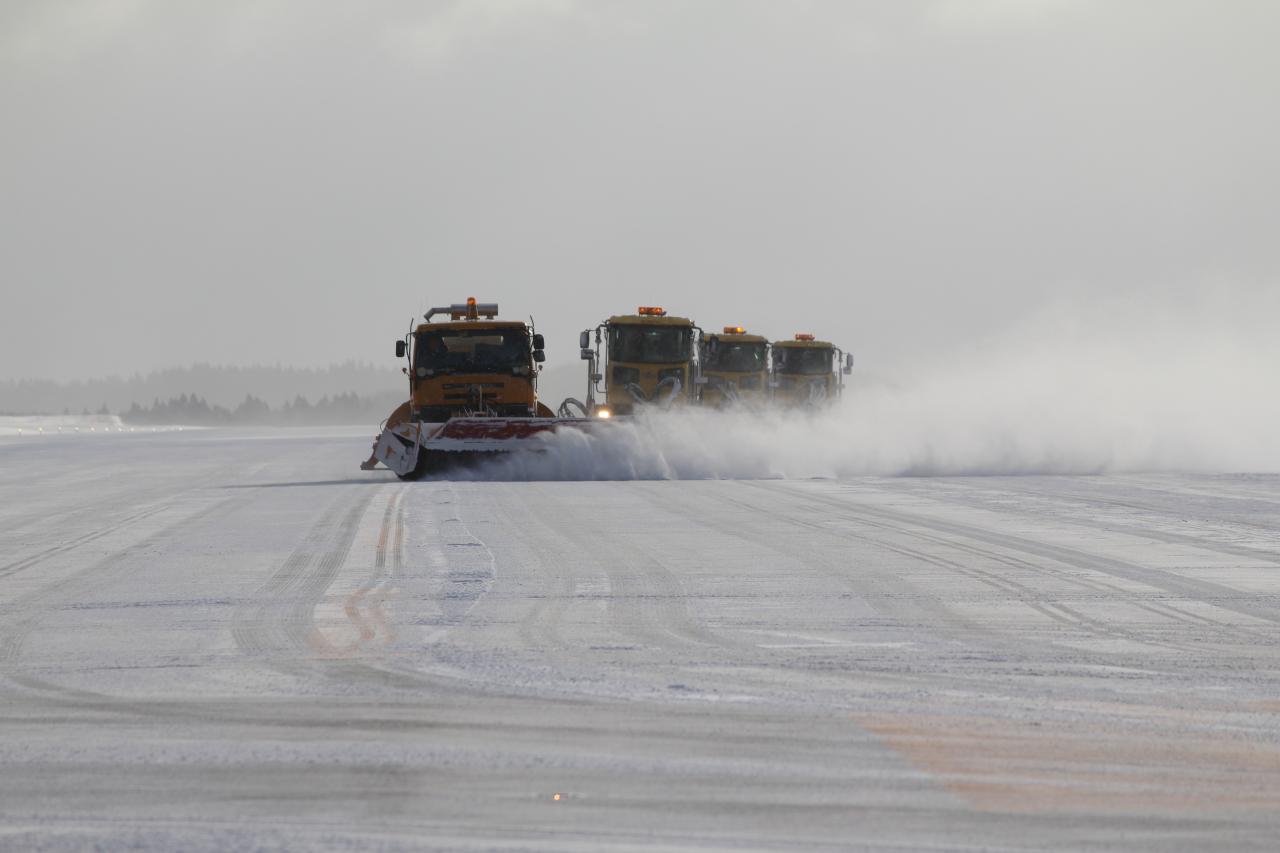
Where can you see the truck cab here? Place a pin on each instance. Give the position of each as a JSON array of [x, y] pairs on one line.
[[472, 365], [734, 367], [808, 373], [648, 360]]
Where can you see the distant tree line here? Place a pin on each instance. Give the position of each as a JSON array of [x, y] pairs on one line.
[[194, 410], [217, 385]]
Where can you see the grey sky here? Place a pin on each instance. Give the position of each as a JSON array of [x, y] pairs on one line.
[[256, 181]]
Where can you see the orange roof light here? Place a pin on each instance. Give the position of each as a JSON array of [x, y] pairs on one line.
[[469, 310], [734, 330], [803, 336], [651, 311]]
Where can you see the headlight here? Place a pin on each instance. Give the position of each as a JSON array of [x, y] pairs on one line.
[[603, 413]]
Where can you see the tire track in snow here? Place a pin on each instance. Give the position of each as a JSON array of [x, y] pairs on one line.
[[33, 609], [462, 586], [458, 584], [1192, 589], [363, 608], [1171, 509], [1031, 597], [40, 556], [263, 628], [277, 626], [553, 562], [647, 602], [911, 607], [878, 588], [158, 495], [1204, 542]]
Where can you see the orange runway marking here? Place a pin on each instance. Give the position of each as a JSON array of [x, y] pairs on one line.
[[371, 622], [1017, 766]]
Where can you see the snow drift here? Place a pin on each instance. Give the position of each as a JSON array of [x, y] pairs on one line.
[[20, 425]]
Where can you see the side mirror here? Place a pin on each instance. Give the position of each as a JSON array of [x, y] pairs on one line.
[[584, 339], [539, 356], [848, 362], [400, 348], [587, 354], [539, 342]]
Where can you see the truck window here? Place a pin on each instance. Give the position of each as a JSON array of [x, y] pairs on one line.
[[805, 361], [650, 344], [735, 356], [465, 349]]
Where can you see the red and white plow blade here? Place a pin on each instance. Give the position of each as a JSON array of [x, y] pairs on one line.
[[485, 434], [398, 446]]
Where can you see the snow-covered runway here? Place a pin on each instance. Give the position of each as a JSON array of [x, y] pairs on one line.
[[220, 639]]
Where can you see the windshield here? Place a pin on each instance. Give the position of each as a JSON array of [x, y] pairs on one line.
[[472, 349], [734, 356], [649, 344], [809, 361]]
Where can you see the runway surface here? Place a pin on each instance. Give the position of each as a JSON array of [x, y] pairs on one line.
[[224, 639]]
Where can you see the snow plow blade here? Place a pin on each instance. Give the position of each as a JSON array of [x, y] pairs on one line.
[[414, 449]]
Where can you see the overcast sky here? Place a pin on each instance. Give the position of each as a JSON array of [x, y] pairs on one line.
[[259, 181]]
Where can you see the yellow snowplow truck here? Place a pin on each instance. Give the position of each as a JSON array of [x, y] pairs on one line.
[[472, 390], [648, 360], [808, 373], [734, 367]]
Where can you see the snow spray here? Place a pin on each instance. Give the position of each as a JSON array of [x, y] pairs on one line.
[[1120, 391]]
